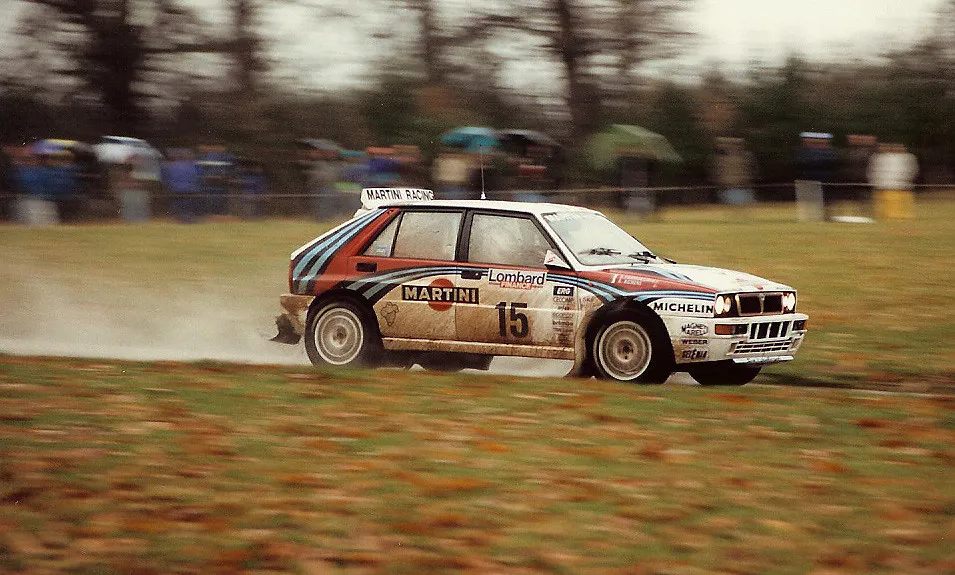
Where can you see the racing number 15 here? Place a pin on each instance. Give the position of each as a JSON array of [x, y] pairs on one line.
[[518, 321]]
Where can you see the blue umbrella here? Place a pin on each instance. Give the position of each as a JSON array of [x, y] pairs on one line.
[[471, 138]]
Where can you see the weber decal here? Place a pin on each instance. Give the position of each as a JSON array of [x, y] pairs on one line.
[[440, 294], [517, 279], [694, 342], [694, 329]]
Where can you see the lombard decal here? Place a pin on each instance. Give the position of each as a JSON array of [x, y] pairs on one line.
[[517, 279], [389, 311], [694, 329], [440, 294], [695, 354], [683, 307]]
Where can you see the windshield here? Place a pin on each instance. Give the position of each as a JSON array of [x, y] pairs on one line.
[[595, 240]]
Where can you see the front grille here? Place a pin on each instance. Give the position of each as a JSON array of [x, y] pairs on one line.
[[759, 303], [762, 346], [768, 330]]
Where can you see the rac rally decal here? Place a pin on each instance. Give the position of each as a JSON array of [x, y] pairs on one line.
[[517, 279], [683, 307], [440, 294]]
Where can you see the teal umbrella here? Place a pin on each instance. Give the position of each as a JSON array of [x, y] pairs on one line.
[[621, 140]]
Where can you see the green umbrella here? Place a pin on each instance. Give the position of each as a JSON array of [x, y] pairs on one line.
[[622, 140]]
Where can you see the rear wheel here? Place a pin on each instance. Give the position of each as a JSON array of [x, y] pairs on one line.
[[630, 348], [723, 373], [340, 334]]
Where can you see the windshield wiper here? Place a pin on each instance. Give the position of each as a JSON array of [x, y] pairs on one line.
[[601, 252], [645, 256]]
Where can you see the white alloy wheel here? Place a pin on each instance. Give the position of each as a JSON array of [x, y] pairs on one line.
[[624, 350], [339, 335]]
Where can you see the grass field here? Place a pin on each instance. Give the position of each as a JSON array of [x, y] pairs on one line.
[[118, 467], [111, 466], [879, 297]]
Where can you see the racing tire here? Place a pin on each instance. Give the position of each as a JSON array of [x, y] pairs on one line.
[[723, 373], [339, 333], [630, 347]]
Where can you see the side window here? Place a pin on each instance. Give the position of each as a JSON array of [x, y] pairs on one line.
[[506, 240], [381, 247], [428, 235]]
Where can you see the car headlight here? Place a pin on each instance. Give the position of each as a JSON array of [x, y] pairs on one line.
[[789, 302], [723, 305]]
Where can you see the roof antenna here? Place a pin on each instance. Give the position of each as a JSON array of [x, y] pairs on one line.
[[481, 152]]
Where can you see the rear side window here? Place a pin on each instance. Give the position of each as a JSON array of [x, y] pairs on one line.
[[381, 247], [428, 235]]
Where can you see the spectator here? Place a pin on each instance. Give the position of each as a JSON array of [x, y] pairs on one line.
[[861, 150], [891, 173], [323, 177], [181, 177], [817, 163], [382, 167], [451, 174], [734, 172], [253, 187], [35, 205], [134, 196], [215, 171], [62, 185], [8, 186]]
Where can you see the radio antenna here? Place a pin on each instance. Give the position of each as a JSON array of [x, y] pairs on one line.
[[481, 153]]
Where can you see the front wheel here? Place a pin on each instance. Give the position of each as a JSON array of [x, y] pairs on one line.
[[340, 334], [630, 349], [724, 373]]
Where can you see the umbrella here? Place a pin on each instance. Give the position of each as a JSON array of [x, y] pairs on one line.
[[622, 140], [319, 144], [528, 137], [56, 146], [471, 138]]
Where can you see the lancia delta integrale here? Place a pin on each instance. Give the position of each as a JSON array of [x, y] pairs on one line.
[[451, 284]]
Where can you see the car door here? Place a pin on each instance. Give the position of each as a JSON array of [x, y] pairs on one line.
[[413, 281], [519, 303]]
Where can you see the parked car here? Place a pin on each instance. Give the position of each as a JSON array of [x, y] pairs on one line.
[[121, 149], [450, 284]]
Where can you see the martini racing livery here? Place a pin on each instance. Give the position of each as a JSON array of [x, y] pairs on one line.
[[450, 284]]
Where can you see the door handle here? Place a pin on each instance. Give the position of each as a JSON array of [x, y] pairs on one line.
[[366, 267], [471, 274]]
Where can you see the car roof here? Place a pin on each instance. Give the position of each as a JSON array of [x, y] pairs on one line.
[[497, 205]]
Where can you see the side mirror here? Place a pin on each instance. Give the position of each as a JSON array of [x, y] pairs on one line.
[[554, 261]]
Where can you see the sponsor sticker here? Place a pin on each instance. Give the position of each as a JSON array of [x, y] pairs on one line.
[[694, 329], [694, 342], [390, 312], [695, 354], [441, 294], [517, 279], [563, 291], [621, 279], [683, 307]]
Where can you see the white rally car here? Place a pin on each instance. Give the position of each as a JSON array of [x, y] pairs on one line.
[[449, 284]]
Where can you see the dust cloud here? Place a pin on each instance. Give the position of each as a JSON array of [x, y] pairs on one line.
[[179, 321]]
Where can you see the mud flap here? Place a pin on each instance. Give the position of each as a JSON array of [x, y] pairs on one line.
[[286, 332]]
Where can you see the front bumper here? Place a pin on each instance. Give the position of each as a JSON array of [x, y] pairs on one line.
[[760, 340]]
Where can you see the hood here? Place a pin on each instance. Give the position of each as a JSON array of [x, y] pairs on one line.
[[717, 279]]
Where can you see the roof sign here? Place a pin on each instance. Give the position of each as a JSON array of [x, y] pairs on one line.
[[374, 197]]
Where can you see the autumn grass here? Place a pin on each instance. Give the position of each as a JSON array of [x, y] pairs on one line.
[[120, 467]]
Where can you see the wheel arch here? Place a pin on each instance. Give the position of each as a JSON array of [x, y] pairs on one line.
[[626, 305], [348, 295]]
